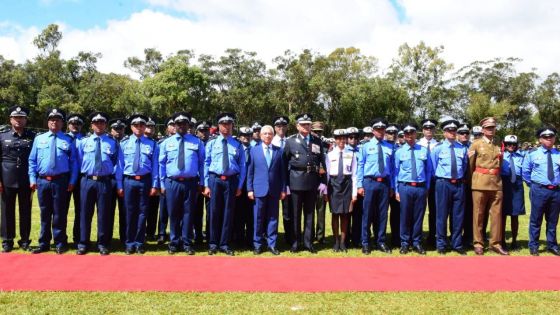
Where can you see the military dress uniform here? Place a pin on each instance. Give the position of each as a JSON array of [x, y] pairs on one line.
[[485, 161], [181, 167], [224, 173], [14, 180], [541, 171], [97, 157], [375, 170], [75, 194], [53, 169], [304, 157], [137, 174]]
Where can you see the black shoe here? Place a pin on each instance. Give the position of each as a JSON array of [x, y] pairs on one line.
[[336, 247], [81, 251], [39, 250], [534, 252], [294, 250], [189, 250], [311, 250], [61, 250], [441, 251], [212, 252], [404, 250], [365, 250], [274, 251], [461, 251], [384, 248], [228, 252], [129, 251], [172, 250], [141, 250], [554, 251], [103, 251], [514, 247], [7, 248], [150, 238], [343, 248], [257, 251], [419, 249], [161, 240], [25, 245]]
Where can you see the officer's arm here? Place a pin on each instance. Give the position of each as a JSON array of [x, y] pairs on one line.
[[396, 168], [242, 167], [207, 162], [354, 182], [162, 161], [472, 160], [155, 168], [32, 171], [120, 169], [328, 167], [283, 171], [429, 172], [201, 158], [286, 159], [360, 170], [73, 165], [527, 168], [322, 163], [434, 157]]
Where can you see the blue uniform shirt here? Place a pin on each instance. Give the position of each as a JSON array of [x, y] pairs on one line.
[[194, 157], [148, 163], [403, 166], [441, 159], [236, 157], [368, 158], [39, 158], [535, 167], [517, 161], [86, 155]]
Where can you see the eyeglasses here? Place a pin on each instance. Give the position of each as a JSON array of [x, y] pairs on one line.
[[463, 133], [428, 128], [391, 133], [547, 137]]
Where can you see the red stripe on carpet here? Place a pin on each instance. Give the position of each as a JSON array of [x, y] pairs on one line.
[[21, 272]]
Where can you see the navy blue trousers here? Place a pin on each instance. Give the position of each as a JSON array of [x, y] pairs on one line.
[[413, 206], [95, 192], [137, 204], [181, 201], [450, 202], [163, 215], [53, 198], [265, 211], [222, 203], [544, 202], [375, 209]]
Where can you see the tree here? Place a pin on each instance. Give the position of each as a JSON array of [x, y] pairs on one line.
[[149, 66], [547, 100]]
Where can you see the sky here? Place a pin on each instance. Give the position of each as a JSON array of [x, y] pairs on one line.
[[468, 30]]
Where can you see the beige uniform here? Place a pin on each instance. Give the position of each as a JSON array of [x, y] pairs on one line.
[[485, 161]]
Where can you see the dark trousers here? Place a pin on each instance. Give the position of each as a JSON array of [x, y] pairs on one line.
[[413, 207], [266, 222], [432, 228], [92, 193], [544, 202], [468, 221], [450, 203], [8, 215], [287, 220], [180, 197], [136, 200], [152, 217], [222, 203], [356, 222], [163, 216], [303, 205], [376, 205], [243, 225], [75, 194], [52, 202], [395, 221], [320, 208], [114, 201], [198, 218]]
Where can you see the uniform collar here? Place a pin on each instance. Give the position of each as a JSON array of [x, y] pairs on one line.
[[407, 146], [486, 139]]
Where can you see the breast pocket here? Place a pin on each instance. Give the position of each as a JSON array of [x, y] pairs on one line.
[[63, 148], [405, 163]]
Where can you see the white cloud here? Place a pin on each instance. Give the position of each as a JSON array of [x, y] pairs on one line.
[[469, 30]]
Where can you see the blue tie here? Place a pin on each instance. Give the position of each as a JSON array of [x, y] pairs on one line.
[[97, 154], [268, 156], [380, 159], [549, 169], [181, 157], [340, 175], [453, 162], [52, 162], [413, 174], [225, 158], [136, 162]]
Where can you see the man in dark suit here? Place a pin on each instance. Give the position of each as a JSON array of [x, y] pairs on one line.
[[266, 184], [304, 156]]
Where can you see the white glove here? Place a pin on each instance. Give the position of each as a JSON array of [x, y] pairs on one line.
[[287, 190], [322, 189]]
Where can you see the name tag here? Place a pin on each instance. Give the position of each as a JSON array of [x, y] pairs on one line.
[[191, 146]]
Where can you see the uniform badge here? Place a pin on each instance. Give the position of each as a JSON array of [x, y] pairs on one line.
[[298, 141], [315, 148]]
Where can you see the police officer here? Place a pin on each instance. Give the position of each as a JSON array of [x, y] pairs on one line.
[[152, 217], [137, 180], [15, 146], [202, 202], [514, 193], [304, 155], [374, 182], [181, 164], [53, 172], [163, 213], [450, 160], [367, 134], [485, 161], [117, 132], [463, 137], [394, 218], [224, 174], [356, 215], [317, 128], [280, 124], [541, 170], [413, 170], [75, 125], [428, 141], [243, 225], [477, 132], [256, 136], [97, 157]]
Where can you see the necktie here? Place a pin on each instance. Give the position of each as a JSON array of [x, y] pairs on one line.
[[225, 158], [136, 162], [413, 172], [97, 154], [282, 143], [52, 162], [340, 175], [380, 159], [453, 162], [268, 156], [512, 168], [181, 156], [550, 171]]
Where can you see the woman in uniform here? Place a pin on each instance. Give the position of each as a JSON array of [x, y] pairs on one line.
[[514, 195]]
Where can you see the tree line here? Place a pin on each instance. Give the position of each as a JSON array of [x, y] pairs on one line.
[[343, 88]]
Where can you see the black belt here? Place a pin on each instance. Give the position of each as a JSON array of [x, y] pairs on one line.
[[223, 177], [52, 177], [454, 181], [137, 177], [183, 179], [98, 178], [308, 169], [377, 179], [549, 187], [413, 184]]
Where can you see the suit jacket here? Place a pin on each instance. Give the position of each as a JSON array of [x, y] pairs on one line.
[[300, 157], [14, 157], [264, 180]]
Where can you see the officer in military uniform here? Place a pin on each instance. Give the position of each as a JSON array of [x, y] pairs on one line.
[[243, 225], [163, 213], [53, 172], [356, 215], [450, 160], [137, 180], [375, 184], [97, 158], [280, 124], [15, 147], [75, 125], [541, 171], [117, 132], [152, 217], [304, 156], [485, 161], [181, 165], [394, 217], [224, 174], [203, 133], [317, 129], [428, 141]]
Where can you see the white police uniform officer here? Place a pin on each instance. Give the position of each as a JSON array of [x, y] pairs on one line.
[[513, 203]]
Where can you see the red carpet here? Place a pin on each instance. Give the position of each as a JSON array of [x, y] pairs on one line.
[[24, 272]]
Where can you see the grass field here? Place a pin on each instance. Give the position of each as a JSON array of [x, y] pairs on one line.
[[349, 302]]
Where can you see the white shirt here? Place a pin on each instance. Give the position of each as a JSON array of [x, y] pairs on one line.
[[349, 166], [424, 142], [276, 141]]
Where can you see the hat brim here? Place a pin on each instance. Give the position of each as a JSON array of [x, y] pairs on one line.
[[304, 122]]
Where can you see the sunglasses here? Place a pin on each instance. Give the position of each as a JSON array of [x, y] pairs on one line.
[[547, 137], [391, 132], [463, 133]]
